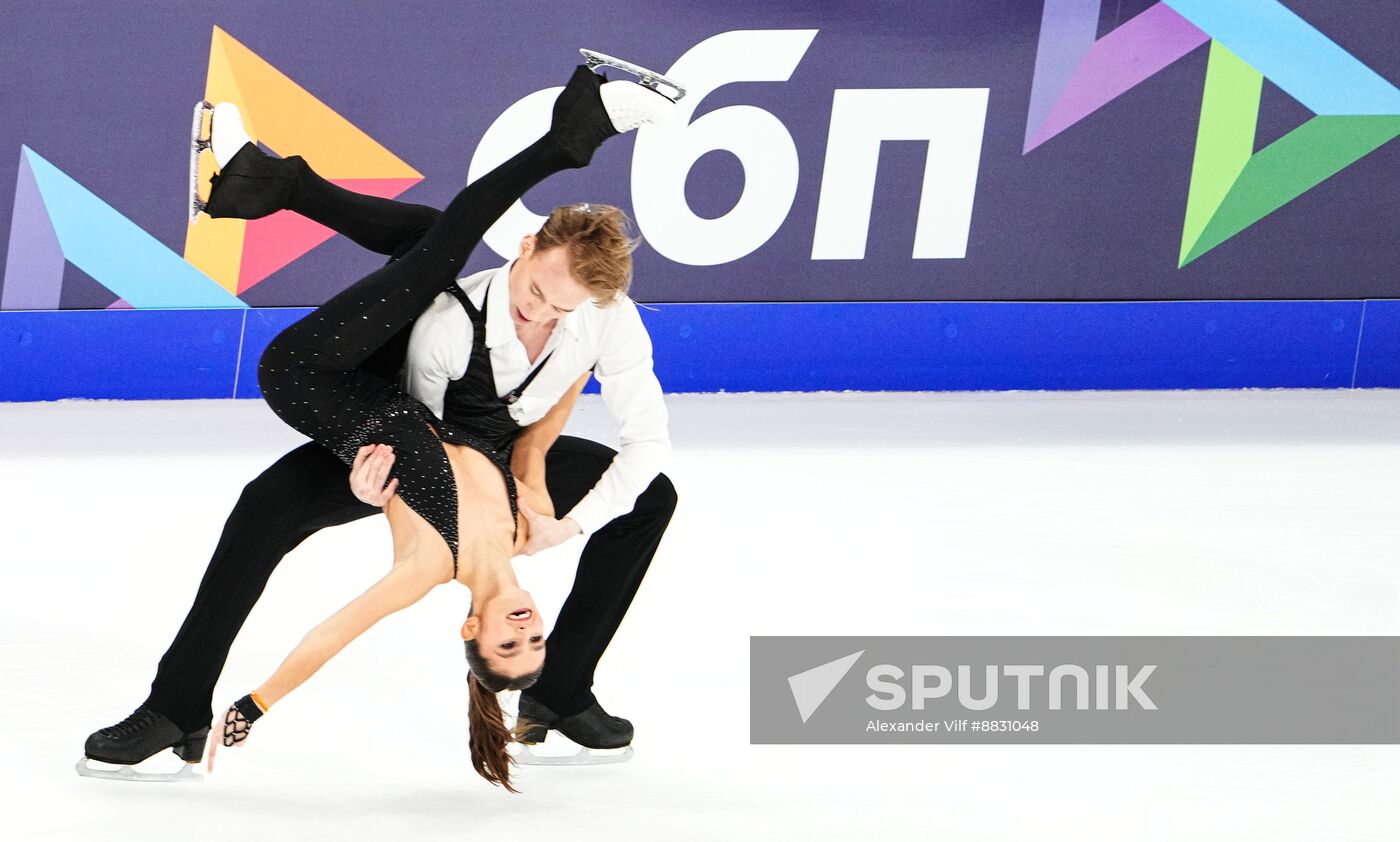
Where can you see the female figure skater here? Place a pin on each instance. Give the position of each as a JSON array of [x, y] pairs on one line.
[[452, 516]]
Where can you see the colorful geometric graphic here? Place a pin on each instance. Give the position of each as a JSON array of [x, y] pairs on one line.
[[283, 116], [57, 220], [1232, 186]]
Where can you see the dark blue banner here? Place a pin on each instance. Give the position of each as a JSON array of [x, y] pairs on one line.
[[901, 151]]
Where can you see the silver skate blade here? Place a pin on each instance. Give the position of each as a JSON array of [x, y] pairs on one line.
[[649, 78], [527, 756], [198, 143], [113, 772]]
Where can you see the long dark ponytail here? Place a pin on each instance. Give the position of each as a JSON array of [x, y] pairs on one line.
[[486, 722]]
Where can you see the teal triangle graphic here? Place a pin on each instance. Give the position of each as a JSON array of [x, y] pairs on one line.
[[117, 252]]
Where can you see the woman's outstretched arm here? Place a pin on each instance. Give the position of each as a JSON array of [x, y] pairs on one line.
[[404, 585]]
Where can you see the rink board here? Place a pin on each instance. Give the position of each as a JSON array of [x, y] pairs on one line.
[[765, 347]]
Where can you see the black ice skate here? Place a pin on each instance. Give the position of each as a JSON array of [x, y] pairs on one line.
[[597, 733], [647, 78], [591, 109], [138, 737]]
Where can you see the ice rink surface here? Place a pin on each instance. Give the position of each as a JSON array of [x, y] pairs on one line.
[[1202, 513]]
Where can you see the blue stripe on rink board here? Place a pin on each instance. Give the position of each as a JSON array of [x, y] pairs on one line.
[[127, 354], [976, 346], [914, 346]]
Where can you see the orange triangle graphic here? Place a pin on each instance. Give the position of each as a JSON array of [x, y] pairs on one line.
[[284, 116]]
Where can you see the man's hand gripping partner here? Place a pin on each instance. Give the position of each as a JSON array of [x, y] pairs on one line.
[[370, 483]]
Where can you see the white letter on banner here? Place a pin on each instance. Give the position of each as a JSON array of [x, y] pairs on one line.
[[988, 700], [517, 127], [950, 119], [922, 691], [1134, 687], [874, 680], [1081, 685], [663, 155], [1023, 673]]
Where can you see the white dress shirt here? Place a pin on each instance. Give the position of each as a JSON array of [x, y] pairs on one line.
[[613, 338]]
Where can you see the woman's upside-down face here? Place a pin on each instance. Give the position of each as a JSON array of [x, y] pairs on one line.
[[508, 631]]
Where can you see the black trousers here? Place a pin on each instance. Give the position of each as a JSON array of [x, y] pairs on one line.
[[308, 489]]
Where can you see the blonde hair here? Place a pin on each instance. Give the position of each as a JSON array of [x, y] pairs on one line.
[[600, 246]]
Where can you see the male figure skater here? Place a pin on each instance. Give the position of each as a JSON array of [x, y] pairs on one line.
[[308, 489]]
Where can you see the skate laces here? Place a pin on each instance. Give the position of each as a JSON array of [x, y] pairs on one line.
[[138, 721]]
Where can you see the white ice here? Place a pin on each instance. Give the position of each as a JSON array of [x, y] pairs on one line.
[[1206, 513]]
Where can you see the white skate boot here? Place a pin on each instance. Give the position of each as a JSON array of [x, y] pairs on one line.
[[630, 105], [225, 137]]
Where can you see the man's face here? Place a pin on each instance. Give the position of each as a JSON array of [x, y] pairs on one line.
[[542, 289]]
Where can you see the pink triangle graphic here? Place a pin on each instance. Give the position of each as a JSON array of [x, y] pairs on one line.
[[120, 304], [274, 241]]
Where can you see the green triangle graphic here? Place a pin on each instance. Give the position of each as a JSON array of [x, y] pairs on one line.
[[1231, 186]]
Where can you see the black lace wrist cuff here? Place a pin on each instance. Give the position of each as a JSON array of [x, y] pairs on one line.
[[249, 709]]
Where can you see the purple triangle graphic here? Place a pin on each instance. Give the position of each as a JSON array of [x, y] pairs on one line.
[[1077, 75], [34, 265], [119, 304]]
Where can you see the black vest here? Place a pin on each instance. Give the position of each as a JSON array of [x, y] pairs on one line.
[[471, 402]]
